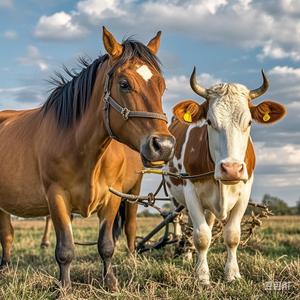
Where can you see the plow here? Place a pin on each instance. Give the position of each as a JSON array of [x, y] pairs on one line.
[[175, 225]]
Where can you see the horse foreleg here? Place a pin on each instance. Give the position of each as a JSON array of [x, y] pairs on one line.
[[130, 218], [130, 225], [60, 214], [106, 244], [45, 239], [6, 238]]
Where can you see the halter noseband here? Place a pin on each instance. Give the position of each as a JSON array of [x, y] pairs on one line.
[[124, 111]]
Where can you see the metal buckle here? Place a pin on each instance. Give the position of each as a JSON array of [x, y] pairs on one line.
[[125, 113], [106, 97]]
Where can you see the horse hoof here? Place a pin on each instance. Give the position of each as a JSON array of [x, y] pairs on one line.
[[4, 266], [44, 245], [111, 283]]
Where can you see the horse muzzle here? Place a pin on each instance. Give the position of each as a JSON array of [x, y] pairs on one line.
[[157, 150]]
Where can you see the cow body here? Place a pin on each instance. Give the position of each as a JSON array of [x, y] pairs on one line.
[[207, 197], [192, 156], [215, 137]]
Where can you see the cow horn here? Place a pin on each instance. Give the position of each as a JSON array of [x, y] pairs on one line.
[[261, 90], [199, 90]]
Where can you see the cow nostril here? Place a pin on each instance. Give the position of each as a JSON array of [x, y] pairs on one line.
[[223, 167], [241, 168]]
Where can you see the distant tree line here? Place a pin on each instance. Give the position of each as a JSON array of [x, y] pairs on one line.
[[278, 206]]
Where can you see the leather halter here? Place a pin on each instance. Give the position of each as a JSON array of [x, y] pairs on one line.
[[124, 111]]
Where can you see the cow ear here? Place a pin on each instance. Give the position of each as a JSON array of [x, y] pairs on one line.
[[113, 48], [268, 112], [189, 111]]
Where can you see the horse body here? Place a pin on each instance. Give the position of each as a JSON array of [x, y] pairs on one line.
[[21, 188], [119, 166], [31, 161], [49, 157]]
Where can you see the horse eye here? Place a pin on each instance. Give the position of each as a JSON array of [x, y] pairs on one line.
[[124, 85], [250, 122], [208, 122]]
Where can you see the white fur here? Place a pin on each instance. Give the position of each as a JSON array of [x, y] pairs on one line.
[[229, 133], [228, 137], [145, 72]]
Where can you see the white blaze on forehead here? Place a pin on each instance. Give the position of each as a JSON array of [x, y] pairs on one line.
[[145, 72]]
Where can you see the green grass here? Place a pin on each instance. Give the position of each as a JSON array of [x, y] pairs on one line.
[[272, 256]]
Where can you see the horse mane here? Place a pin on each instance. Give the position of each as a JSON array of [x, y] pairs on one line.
[[70, 98]]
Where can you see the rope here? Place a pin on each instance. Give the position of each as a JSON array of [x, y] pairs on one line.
[[176, 175]]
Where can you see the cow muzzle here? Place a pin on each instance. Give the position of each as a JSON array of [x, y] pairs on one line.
[[232, 172]]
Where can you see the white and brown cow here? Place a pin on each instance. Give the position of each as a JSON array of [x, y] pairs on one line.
[[215, 136]]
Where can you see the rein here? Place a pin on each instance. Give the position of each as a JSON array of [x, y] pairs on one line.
[[183, 176], [149, 200], [124, 111]]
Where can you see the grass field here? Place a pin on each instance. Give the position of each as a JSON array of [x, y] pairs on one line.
[[270, 266]]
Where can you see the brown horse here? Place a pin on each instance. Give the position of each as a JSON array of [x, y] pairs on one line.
[[118, 164], [49, 156]]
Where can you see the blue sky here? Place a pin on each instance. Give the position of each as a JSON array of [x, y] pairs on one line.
[[228, 40]]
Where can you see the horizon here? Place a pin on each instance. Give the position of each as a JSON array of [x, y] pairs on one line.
[[228, 41]]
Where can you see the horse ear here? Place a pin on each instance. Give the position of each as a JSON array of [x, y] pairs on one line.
[[267, 112], [113, 48], [154, 44], [189, 111]]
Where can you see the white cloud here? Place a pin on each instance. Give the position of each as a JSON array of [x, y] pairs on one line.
[[10, 34], [270, 182], [97, 10], [58, 26], [21, 97], [33, 57], [270, 50], [273, 28], [6, 3], [179, 86], [274, 155], [285, 83], [284, 70]]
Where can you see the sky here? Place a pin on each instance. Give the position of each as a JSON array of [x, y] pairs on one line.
[[227, 40]]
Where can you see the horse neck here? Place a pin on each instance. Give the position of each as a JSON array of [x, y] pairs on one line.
[[91, 134]]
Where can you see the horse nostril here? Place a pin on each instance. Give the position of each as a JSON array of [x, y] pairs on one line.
[[155, 144]]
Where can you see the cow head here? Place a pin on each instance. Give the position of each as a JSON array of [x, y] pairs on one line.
[[228, 113]]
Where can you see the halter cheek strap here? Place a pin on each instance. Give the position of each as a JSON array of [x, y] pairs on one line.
[[124, 111]]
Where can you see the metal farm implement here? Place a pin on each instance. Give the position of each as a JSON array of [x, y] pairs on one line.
[[184, 241]]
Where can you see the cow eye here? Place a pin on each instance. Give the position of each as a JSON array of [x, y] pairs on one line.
[[124, 85], [250, 122], [208, 122]]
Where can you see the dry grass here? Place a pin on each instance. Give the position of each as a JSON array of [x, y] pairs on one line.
[[272, 256]]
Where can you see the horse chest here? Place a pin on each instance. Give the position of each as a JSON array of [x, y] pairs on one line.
[[87, 196]]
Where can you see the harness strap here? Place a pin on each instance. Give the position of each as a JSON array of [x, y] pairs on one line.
[[124, 111]]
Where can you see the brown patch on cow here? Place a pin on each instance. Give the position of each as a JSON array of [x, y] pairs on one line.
[[250, 158], [175, 180], [197, 159], [178, 129]]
